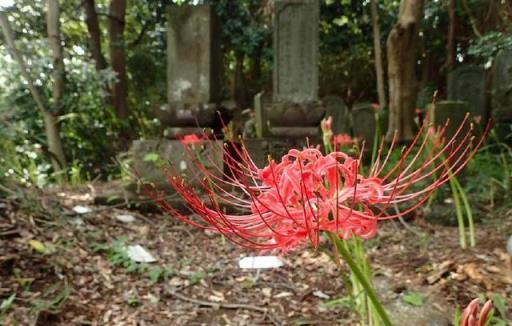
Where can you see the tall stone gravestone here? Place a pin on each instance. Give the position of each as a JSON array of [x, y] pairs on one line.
[[194, 74], [295, 50], [502, 94], [467, 83], [294, 110], [194, 92]]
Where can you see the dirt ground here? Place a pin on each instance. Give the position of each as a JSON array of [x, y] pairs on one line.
[[63, 268]]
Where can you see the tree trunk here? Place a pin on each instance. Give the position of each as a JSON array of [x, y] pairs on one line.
[[93, 26], [52, 132], [450, 43], [379, 70], [403, 84], [117, 11], [58, 74], [53, 28]]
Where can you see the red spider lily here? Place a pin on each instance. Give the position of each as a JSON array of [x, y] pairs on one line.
[[291, 201], [470, 316], [192, 139], [340, 140]]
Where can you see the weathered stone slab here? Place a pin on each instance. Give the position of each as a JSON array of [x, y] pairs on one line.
[[295, 42], [441, 111], [337, 109], [467, 83], [364, 123], [150, 155], [502, 87], [193, 55]]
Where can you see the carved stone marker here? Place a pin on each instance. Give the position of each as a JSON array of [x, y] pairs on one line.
[[194, 70], [467, 84], [502, 94], [193, 55], [295, 50], [194, 93], [294, 110], [364, 122]]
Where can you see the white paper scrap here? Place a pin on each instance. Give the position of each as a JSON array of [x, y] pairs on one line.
[[79, 209], [320, 294], [257, 262], [125, 218], [138, 254]]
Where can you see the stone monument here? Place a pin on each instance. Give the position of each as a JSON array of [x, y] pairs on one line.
[[293, 110], [364, 122], [467, 83], [194, 70], [194, 93], [502, 94]]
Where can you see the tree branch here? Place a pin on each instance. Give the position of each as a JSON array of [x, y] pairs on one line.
[[11, 46]]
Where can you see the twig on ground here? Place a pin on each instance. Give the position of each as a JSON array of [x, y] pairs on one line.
[[218, 305]]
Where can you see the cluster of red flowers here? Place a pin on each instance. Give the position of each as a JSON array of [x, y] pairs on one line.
[[342, 140], [192, 139], [292, 200]]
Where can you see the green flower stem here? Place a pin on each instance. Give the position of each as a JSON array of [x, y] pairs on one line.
[[459, 214], [469, 213], [370, 292]]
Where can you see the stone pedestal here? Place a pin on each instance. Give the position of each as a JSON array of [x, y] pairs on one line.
[[150, 156], [280, 119]]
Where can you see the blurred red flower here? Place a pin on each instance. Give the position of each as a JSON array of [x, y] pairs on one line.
[[470, 316]]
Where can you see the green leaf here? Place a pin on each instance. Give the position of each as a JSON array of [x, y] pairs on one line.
[[196, 278], [151, 157], [343, 20], [40, 248], [155, 274], [339, 302], [7, 303], [457, 315], [500, 305], [414, 299]]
